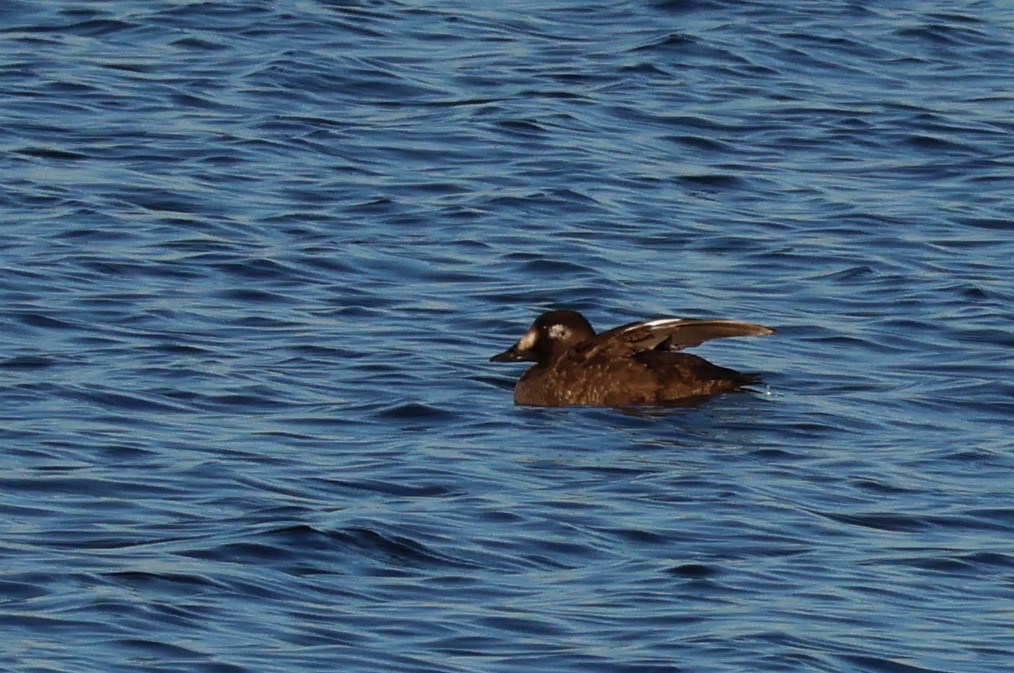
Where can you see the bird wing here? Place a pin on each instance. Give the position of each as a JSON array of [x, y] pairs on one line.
[[673, 334]]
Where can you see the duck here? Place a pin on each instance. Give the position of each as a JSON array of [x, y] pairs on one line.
[[636, 364]]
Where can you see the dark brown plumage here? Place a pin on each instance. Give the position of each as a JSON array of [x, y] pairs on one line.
[[634, 364]]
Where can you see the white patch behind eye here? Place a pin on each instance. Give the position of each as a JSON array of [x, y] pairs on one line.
[[558, 332], [527, 342]]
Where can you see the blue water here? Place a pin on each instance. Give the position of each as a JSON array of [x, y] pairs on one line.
[[255, 257]]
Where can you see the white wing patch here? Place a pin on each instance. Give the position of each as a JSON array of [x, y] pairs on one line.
[[661, 322]]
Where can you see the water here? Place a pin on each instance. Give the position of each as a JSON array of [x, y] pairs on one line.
[[255, 257]]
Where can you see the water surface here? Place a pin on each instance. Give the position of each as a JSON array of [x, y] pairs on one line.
[[255, 258]]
